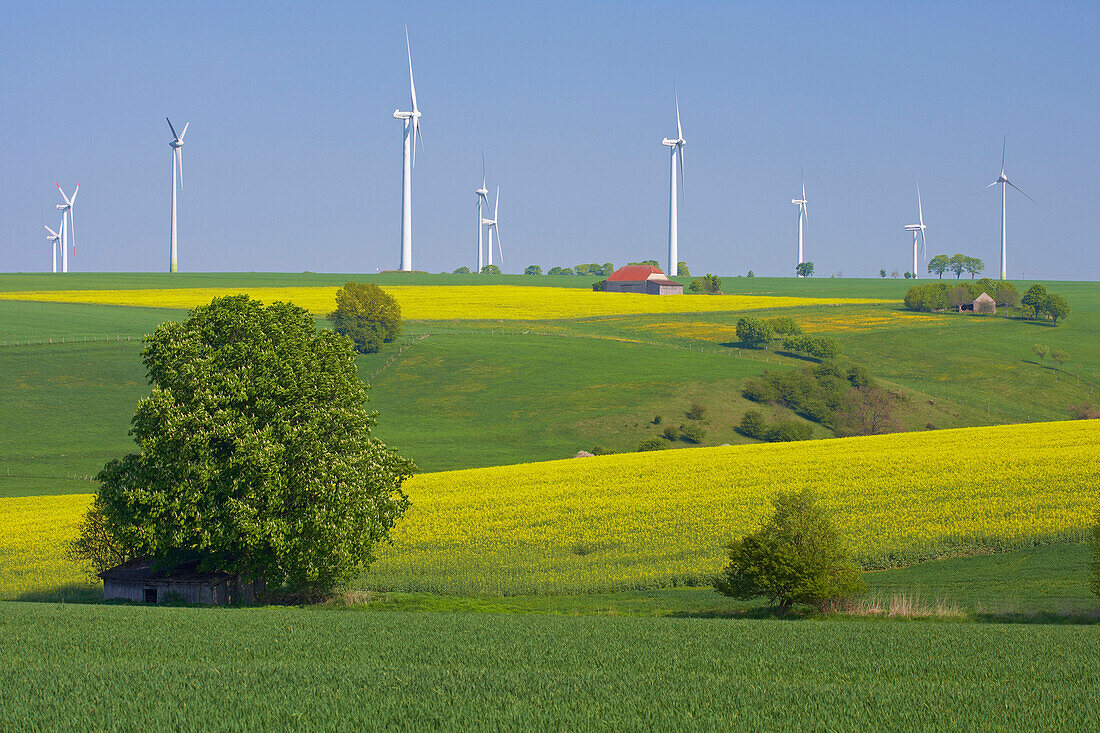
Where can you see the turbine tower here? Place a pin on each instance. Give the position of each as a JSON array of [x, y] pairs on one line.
[[53, 238], [917, 229], [66, 210], [802, 216], [482, 201], [412, 128], [177, 165], [1003, 181], [676, 153], [492, 224]]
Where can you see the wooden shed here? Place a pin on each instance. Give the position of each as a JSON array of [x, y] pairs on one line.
[[642, 279], [984, 304], [137, 580]]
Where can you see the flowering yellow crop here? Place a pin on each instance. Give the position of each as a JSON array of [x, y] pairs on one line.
[[449, 302], [34, 532], [641, 520], [648, 519]]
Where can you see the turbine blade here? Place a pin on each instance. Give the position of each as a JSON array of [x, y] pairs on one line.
[[173, 129], [51, 231], [185, 126], [496, 206], [412, 85], [483, 169], [920, 208], [72, 227], [70, 203], [73, 199], [683, 194], [679, 129], [1011, 184], [805, 210], [1004, 144], [496, 228]]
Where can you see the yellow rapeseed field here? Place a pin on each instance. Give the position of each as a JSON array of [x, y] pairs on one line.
[[438, 302], [660, 518], [655, 519], [34, 532]]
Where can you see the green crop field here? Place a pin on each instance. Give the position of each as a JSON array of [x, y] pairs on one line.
[[80, 667]]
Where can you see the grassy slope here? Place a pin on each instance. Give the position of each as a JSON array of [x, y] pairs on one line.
[[283, 668]]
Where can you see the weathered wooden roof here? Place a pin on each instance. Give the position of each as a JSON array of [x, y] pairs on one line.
[[984, 298], [141, 570]]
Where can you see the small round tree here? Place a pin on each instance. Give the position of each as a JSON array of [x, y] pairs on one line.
[[753, 331], [796, 556], [366, 314], [255, 453]]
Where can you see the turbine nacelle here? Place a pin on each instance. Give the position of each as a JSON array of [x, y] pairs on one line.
[[668, 142], [800, 202], [482, 191], [915, 227]]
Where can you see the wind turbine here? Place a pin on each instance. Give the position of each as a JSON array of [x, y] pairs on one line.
[[1003, 181], [802, 216], [66, 209], [412, 128], [676, 153], [482, 200], [492, 224], [177, 163], [53, 238], [917, 229]]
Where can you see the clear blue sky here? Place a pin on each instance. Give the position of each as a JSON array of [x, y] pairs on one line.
[[293, 159]]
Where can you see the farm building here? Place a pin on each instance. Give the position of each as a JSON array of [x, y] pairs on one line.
[[137, 580], [984, 304], [642, 279]]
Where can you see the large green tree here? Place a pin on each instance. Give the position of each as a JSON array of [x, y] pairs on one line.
[[1034, 298], [753, 331], [939, 265], [366, 314], [254, 451]]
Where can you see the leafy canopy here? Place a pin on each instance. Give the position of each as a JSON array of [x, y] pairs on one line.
[[796, 556], [366, 314], [255, 453]]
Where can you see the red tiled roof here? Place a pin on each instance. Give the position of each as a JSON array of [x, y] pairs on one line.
[[633, 273]]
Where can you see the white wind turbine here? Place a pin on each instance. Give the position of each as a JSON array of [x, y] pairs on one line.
[[492, 224], [53, 238], [482, 201], [676, 153], [917, 229], [412, 128], [1003, 181], [66, 210], [802, 216], [177, 164]]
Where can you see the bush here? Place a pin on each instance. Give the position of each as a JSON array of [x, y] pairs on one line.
[[824, 347], [694, 433], [671, 432], [599, 450], [697, 411], [753, 331], [366, 314], [560, 271], [753, 424], [859, 376], [709, 284], [654, 443], [600, 286], [656, 419], [785, 431], [1084, 411], [796, 556], [533, 270], [783, 325], [462, 271], [491, 270], [681, 269]]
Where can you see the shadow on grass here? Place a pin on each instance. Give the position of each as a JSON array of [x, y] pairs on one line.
[[1067, 618], [68, 593]]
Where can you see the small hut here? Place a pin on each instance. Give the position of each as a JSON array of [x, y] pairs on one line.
[[984, 304], [138, 580]]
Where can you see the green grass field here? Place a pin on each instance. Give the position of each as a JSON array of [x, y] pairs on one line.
[[78, 667]]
